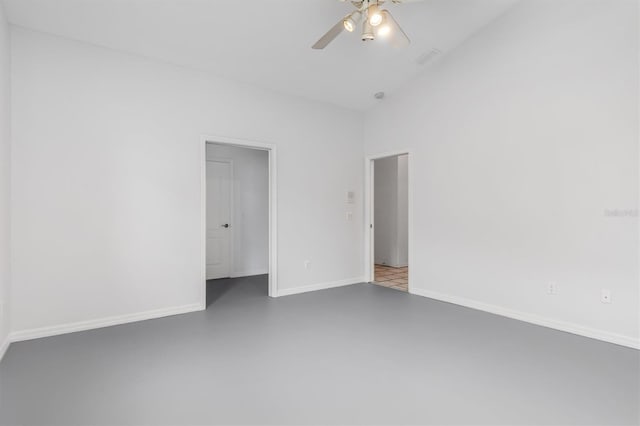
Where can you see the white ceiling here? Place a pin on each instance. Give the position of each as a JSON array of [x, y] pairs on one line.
[[266, 43]]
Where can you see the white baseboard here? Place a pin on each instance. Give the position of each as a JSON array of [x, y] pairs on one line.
[[36, 333], [320, 286], [605, 336], [249, 273], [392, 265], [4, 346]]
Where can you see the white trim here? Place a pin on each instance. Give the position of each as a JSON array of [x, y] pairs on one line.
[[369, 240], [4, 346], [605, 336], [369, 243], [249, 273], [273, 207], [320, 286], [399, 265], [36, 333]]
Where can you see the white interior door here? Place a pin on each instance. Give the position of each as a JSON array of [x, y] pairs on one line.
[[219, 184]]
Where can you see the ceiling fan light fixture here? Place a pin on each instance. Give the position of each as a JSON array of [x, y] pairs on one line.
[[367, 31], [374, 16], [383, 30], [376, 23], [351, 21]]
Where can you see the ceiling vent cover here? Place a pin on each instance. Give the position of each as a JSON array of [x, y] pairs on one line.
[[429, 56]]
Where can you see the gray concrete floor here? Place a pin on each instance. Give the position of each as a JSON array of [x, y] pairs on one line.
[[361, 354]]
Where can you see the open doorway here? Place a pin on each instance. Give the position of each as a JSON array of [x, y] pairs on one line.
[[389, 221], [238, 218]]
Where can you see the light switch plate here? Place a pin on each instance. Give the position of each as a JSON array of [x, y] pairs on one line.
[[351, 197]]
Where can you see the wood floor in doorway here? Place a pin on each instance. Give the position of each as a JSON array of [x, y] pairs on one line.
[[395, 278]]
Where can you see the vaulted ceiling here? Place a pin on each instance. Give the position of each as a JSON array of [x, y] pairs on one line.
[[266, 43]]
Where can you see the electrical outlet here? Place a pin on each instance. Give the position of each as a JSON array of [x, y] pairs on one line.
[[605, 295], [307, 264], [349, 216], [552, 288]]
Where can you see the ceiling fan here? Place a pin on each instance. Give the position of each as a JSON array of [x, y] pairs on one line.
[[377, 23]]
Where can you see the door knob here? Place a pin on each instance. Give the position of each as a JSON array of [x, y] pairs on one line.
[[226, 225]]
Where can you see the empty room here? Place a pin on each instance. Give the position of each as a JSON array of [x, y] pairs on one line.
[[278, 212]]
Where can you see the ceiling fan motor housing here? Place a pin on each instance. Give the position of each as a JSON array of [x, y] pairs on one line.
[[367, 29]]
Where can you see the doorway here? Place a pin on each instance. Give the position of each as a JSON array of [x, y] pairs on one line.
[[389, 214], [238, 217]]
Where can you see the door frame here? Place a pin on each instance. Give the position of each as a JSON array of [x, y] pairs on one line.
[[231, 211], [369, 216], [273, 211]]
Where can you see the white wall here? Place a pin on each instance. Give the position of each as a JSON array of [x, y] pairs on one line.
[[5, 177], [106, 180], [521, 140], [250, 223], [391, 211]]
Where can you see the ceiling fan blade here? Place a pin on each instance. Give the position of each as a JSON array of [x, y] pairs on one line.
[[329, 36], [397, 37]]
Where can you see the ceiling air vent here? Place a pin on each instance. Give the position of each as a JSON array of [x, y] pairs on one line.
[[428, 57]]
